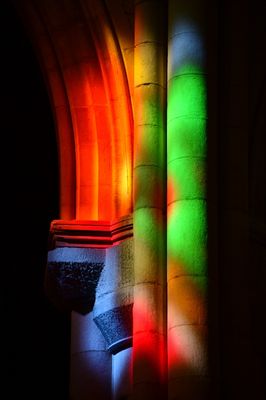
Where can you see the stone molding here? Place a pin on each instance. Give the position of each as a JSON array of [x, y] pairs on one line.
[[89, 234]]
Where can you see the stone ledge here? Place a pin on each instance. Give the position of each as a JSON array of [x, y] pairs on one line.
[[89, 234]]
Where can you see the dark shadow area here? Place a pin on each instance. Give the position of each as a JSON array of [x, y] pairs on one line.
[[237, 198], [36, 336]]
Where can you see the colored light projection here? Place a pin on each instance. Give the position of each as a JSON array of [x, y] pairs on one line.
[[92, 107], [186, 210], [186, 206], [149, 309], [91, 99]]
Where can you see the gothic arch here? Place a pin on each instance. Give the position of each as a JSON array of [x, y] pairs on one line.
[[85, 70]]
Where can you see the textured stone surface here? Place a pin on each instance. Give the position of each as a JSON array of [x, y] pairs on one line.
[[190, 16], [116, 327], [72, 275], [152, 98], [186, 138], [150, 195], [114, 299], [85, 335], [149, 113], [118, 269], [145, 72], [112, 311], [186, 179], [188, 49], [149, 297], [149, 225], [71, 285], [152, 30], [189, 301], [187, 351], [148, 151]]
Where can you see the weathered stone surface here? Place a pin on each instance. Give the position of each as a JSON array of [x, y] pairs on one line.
[[72, 275], [118, 270], [72, 285], [116, 327], [85, 336]]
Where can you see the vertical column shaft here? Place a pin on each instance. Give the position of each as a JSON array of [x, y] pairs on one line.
[[149, 263], [121, 374], [186, 202], [91, 363]]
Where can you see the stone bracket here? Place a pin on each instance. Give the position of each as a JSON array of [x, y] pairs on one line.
[[116, 327], [72, 285], [72, 275]]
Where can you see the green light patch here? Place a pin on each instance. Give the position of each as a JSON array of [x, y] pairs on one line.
[[186, 96], [187, 177], [187, 235], [186, 137]]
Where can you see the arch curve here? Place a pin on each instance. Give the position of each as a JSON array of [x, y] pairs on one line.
[[85, 72]]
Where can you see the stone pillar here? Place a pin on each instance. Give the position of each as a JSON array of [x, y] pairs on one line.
[[90, 362], [149, 314], [186, 203], [121, 374], [95, 282], [71, 280], [112, 313]]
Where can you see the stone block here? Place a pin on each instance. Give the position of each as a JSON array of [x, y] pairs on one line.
[[186, 54], [84, 334], [72, 276], [187, 301], [116, 327], [187, 351], [118, 269], [186, 179], [149, 29], [186, 137], [151, 101], [149, 186], [186, 16], [148, 308], [148, 243], [149, 64], [148, 357], [122, 374], [187, 96], [113, 299], [187, 238], [150, 141]]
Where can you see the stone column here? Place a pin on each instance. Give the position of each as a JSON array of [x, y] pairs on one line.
[[186, 203], [112, 313], [90, 362], [71, 280], [122, 374], [90, 272], [149, 314]]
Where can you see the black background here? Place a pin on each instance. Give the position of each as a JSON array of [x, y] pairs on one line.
[[36, 336]]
